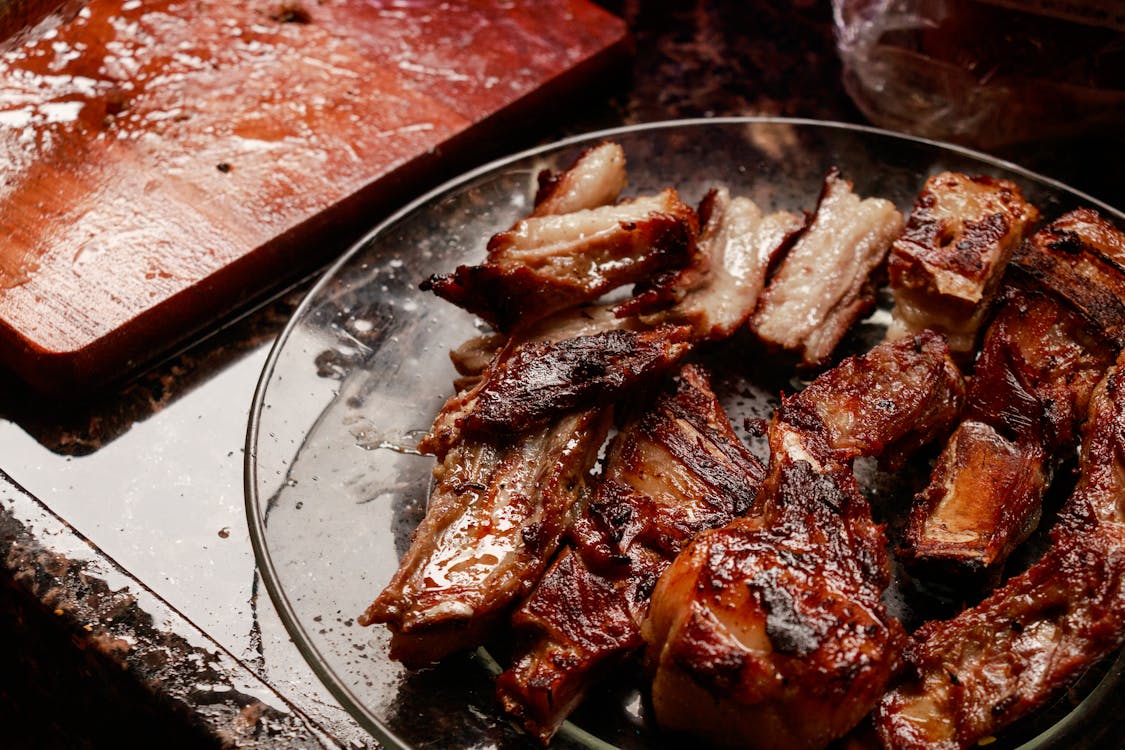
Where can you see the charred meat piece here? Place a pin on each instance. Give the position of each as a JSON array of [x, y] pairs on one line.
[[544, 379], [578, 358], [973, 675], [823, 285], [947, 265], [770, 632], [1029, 394], [503, 502], [717, 293], [595, 179], [1042, 355], [498, 511], [672, 471], [1081, 257], [547, 263], [862, 412]]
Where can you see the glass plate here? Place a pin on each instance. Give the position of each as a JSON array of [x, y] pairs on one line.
[[333, 485]]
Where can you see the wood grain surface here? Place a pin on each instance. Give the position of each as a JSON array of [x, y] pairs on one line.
[[164, 161]]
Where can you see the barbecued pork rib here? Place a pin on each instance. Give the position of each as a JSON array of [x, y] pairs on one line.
[[546, 263], [947, 265], [823, 285], [1042, 356], [502, 502], [675, 469], [973, 675], [498, 511], [770, 632], [595, 179]]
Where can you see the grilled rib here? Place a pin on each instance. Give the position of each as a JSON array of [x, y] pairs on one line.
[[973, 675], [947, 265], [1047, 348], [546, 263], [770, 632], [823, 285], [672, 471], [498, 511]]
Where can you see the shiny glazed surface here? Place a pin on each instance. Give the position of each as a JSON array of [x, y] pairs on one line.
[[334, 487]]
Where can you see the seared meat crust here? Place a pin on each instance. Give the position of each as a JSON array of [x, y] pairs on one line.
[[947, 265], [770, 632], [672, 471], [971, 676], [1039, 363], [547, 263]]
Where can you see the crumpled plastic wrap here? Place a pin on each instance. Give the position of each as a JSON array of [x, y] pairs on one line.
[[982, 74]]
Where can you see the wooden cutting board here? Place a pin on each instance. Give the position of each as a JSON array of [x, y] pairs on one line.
[[164, 161]]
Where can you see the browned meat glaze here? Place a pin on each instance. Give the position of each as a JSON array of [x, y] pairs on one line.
[[947, 265], [861, 411], [1042, 356], [497, 513], [541, 380], [823, 286], [1081, 257], [718, 291], [770, 632], [595, 179], [547, 263], [971, 676], [672, 471], [503, 502], [509, 410]]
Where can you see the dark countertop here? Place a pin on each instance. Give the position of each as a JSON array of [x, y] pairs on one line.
[[128, 592]]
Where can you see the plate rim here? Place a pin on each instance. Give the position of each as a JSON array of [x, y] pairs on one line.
[[255, 520]]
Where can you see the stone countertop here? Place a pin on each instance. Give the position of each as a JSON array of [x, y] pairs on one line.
[[128, 590]]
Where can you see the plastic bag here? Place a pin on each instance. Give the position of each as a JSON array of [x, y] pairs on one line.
[[984, 74]]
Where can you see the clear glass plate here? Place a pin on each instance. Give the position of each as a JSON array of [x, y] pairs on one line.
[[334, 488]]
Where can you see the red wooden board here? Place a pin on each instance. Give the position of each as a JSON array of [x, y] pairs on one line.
[[162, 161]]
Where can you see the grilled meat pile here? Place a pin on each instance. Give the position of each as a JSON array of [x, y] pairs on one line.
[[754, 594]]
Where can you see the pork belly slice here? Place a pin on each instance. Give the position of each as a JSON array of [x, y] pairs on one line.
[[497, 514], [675, 469], [823, 285], [770, 632], [1052, 340], [973, 675], [717, 294], [546, 263], [595, 179], [947, 265]]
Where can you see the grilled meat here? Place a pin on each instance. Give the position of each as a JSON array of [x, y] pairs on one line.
[[672, 471], [1040, 360], [498, 511], [947, 265], [770, 632], [823, 286], [546, 263], [717, 293], [595, 179], [971, 676], [542, 380]]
